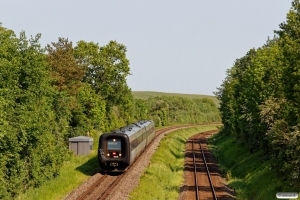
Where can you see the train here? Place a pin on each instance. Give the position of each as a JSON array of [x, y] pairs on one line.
[[119, 148]]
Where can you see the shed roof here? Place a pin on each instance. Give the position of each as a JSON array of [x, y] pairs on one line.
[[81, 139]]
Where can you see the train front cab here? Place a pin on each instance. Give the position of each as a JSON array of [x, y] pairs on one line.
[[114, 152]]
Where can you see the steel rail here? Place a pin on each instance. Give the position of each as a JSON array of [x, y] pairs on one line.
[[208, 174], [111, 187], [195, 172], [90, 189]]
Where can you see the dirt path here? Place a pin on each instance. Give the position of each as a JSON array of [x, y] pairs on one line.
[[187, 190]]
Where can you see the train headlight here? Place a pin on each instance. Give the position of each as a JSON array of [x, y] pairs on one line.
[[108, 154], [114, 140], [120, 154]]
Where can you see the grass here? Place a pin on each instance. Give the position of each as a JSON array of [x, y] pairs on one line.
[[73, 173], [164, 176], [146, 95], [249, 174]]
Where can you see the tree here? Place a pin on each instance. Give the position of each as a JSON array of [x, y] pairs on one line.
[[260, 98], [107, 70], [67, 71], [290, 43]]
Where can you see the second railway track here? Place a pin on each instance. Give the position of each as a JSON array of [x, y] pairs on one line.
[[200, 167], [202, 177], [196, 168]]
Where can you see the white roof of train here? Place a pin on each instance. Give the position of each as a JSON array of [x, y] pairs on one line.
[[133, 128]]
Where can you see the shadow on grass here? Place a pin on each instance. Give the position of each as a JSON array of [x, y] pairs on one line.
[[177, 154], [237, 184], [180, 140], [90, 167]]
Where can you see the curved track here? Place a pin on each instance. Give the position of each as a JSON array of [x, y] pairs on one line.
[[107, 183]]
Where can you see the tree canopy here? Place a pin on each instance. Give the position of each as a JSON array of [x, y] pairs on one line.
[[260, 98]]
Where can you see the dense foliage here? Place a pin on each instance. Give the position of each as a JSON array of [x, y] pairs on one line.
[[47, 96], [30, 142], [170, 110], [50, 94], [260, 98]]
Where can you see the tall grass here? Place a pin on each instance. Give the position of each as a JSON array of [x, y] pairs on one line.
[[249, 174], [164, 176]]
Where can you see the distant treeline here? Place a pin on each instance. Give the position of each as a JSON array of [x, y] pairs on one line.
[[260, 98], [50, 94], [168, 110]]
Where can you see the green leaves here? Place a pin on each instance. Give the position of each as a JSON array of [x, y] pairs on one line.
[[47, 98], [260, 97], [67, 71], [27, 119], [107, 70], [176, 110]]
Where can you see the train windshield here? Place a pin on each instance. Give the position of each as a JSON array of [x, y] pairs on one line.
[[114, 144]]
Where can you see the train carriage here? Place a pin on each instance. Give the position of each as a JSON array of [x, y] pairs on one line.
[[119, 148]]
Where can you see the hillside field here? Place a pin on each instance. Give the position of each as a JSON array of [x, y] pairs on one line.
[[148, 94]]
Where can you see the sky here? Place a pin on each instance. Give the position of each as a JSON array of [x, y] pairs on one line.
[[173, 46]]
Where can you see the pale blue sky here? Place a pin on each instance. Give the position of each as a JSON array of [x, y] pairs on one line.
[[173, 46]]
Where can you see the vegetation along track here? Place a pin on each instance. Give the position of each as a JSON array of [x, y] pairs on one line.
[[202, 178], [103, 185]]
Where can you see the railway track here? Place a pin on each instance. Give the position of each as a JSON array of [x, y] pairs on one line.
[[92, 187], [195, 172], [208, 174], [197, 162], [102, 187], [107, 183], [203, 179]]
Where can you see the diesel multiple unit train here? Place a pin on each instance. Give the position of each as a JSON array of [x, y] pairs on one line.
[[119, 148]]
